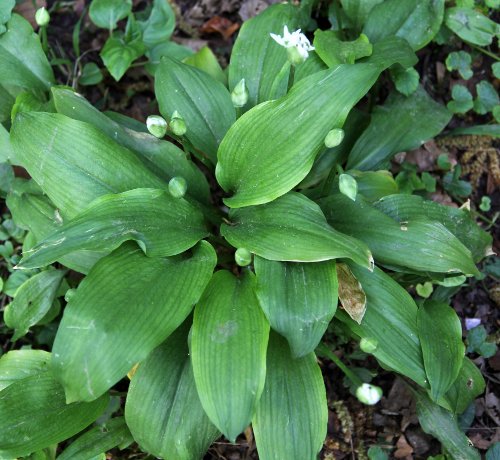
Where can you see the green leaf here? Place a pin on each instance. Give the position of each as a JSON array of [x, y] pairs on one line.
[[462, 99], [23, 61], [160, 24], [471, 26], [495, 67], [374, 185], [291, 228], [271, 148], [492, 130], [98, 440], [405, 80], [161, 224], [161, 157], [32, 301], [72, 178], [170, 49], [417, 21], [178, 427], [257, 58], [106, 13], [461, 61], [443, 358], [477, 342], [298, 299], [91, 75], [358, 10], [124, 308], [5, 13], [392, 50], [487, 98], [401, 124], [34, 212], [460, 222], [20, 364], [35, 415], [390, 321], [120, 50], [334, 51], [468, 386], [494, 450], [442, 424], [399, 243], [293, 402], [205, 60], [228, 351], [203, 102]]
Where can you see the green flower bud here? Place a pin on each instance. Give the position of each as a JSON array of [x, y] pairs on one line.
[[239, 95], [42, 17], [243, 257], [177, 187], [295, 56], [177, 124], [157, 126], [334, 138], [368, 345], [369, 394], [348, 186], [69, 294]]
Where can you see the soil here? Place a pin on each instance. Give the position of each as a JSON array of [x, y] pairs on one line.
[[352, 427]]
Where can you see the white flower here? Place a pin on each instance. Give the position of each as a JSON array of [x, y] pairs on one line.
[[296, 40]]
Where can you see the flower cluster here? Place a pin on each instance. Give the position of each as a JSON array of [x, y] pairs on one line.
[[296, 42]]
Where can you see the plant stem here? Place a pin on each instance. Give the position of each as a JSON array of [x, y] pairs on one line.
[[488, 53], [325, 351]]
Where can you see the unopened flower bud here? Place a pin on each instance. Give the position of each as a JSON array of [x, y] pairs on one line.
[[177, 187], [42, 17], [239, 95], [157, 126], [348, 186], [69, 294], [369, 394], [177, 124], [243, 257], [334, 137]]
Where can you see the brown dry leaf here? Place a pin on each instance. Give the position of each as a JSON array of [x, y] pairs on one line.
[[220, 25], [425, 157], [403, 449], [351, 293]]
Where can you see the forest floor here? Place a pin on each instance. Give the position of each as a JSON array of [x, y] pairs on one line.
[[353, 427]]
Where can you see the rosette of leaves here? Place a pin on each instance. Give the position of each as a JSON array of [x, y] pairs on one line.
[[216, 347]]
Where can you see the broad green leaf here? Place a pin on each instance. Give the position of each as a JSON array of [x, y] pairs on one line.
[[163, 409], [5, 13], [358, 10], [121, 49], [271, 148], [392, 50], [23, 61], [462, 99], [400, 243], [292, 413], [311, 65], [403, 208], [443, 425], [161, 157], [291, 228], [203, 102], [91, 75], [487, 98], [405, 80], [106, 13], [34, 212], [468, 386], [374, 185], [351, 294], [334, 51], [391, 322], [471, 25], [298, 299], [492, 130], [257, 58], [417, 21], [73, 177], [32, 301], [7, 100], [401, 124], [35, 415], [170, 49], [126, 306], [20, 364], [160, 24], [461, 61], [205, 60], [161, 224], [98, 440], [443, 358], [228, 351]]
